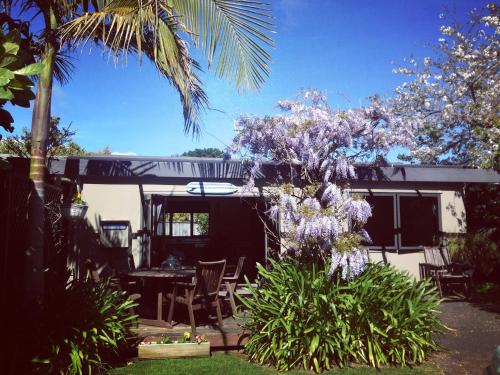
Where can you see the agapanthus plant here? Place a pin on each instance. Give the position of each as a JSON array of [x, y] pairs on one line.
[[318, 216]]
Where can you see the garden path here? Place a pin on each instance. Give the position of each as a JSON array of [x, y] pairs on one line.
[[468, 349]]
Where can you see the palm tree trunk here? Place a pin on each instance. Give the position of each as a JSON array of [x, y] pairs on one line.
[[34, 262]]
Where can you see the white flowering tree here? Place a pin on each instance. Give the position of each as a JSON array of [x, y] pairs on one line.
[[318, 216], [455, 96]]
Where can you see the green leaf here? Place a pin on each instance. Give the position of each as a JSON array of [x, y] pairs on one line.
[[29, 70], [21, 83], [316, 364], [5, 76], [314, 343], [11, 47], [6, 94], [6, 60]]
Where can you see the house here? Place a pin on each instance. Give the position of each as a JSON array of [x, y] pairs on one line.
[[144, 211]]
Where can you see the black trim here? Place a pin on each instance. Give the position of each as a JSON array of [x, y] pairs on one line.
[[126, 168]]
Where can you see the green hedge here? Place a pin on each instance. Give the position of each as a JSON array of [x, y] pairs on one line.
[[300, 316]]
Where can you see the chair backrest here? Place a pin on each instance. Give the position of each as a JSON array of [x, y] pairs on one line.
[[239, 266], [91, 270], [437, 256], [208, 278]]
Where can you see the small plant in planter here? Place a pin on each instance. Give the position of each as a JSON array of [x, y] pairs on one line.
[[166, 347], [77, 208]]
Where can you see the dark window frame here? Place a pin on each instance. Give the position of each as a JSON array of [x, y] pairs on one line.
[[439, 216], [191, 222], [397, 217]]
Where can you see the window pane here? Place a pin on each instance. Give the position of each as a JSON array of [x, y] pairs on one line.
[[181, 224], [380, 225], [163, 228], [419, 221], [200, 226]]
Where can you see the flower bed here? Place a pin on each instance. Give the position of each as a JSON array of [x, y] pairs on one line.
[[166, 347]]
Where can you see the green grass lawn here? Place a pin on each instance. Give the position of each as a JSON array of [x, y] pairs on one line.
[[234, 364]]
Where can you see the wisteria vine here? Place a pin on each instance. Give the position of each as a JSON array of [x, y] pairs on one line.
[[318, 215]]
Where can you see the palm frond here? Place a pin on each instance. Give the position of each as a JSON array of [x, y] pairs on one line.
[[63, 67], [234, 32], [179, 68], [128, 26]]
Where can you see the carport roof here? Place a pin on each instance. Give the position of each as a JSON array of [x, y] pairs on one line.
[[188, 168]]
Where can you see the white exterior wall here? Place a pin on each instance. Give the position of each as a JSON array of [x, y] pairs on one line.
[[404, 261], [452, 212], [123, 202], [114, 202]]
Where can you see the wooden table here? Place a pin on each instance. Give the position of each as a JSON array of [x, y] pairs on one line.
[[160, 278]]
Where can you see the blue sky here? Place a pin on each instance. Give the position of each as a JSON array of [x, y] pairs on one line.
[[346, 48]]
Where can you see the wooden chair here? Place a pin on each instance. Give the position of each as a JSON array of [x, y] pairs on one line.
[[439, 267], [203, 293], [229, 283]]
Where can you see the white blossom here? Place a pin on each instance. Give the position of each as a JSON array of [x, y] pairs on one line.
[[454, 98]]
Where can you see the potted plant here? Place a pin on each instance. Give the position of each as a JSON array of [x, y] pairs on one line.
[[77, 208], [166, 347]]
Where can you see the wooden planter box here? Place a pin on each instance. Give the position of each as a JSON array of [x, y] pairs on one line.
[[179, 350]]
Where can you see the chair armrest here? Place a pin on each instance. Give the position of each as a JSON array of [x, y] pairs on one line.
[[432, 267], [460, 268], [429, 270]]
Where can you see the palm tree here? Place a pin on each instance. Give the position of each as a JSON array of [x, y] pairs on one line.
[[232, 34]]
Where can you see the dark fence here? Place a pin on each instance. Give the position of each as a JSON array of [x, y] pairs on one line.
[[15, 192]]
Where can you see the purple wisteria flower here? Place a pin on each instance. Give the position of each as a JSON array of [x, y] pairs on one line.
[[320, 146], [358, 210], [350, 264]]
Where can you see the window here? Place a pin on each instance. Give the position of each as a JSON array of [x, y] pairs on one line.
[[419, 220], [380, 225], [403, 220], [184, 224], [200, 224]]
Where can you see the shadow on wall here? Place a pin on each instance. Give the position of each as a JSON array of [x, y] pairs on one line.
[[461, 219], [108, 254]]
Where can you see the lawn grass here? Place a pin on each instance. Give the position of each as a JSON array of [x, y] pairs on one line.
[[233, 364]]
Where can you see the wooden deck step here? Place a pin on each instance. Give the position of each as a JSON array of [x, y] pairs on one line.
[[242, 289]]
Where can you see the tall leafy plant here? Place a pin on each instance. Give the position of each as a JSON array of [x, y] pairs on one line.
[[83, 324], [299, 317]]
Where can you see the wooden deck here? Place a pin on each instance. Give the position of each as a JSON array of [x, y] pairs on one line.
[[230, 336]]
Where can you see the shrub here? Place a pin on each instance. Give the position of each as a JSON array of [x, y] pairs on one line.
[[301, 316], [82, 323], [479, 250]]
